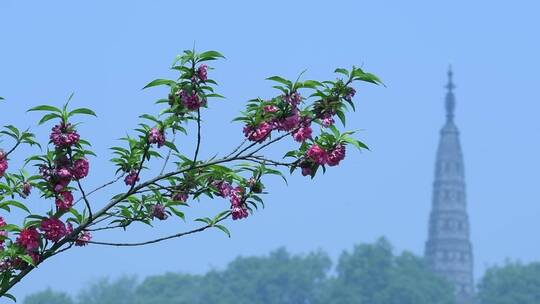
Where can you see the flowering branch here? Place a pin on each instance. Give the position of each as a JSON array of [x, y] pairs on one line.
[[238, 177]]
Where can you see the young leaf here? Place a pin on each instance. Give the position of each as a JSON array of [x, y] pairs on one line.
[[159, 82], [82, 111], [45, 108]]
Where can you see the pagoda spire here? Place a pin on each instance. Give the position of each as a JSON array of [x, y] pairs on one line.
[[448, 249], [450, 99]]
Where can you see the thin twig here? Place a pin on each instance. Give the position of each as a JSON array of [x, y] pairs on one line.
[[168, 155], [177, 235], [198, 136]]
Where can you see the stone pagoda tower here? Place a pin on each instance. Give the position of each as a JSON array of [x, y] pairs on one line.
[[448, 248]]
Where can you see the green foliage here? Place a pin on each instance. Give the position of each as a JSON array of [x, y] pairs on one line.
[[369, 274], [372, 274], [105, 291], [48, 297], [513, 283]]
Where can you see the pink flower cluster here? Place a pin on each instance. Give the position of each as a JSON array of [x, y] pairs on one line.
[[350, 94], [202, 72], [83, 239], [132, 178], [156, 136], [59, 177], [3, 233], [293, 99], [322, 157], [191, 101], [158, 211], [28, 239], [53, 229], [26, 189], [64, 135], [3, 163], [64, 169], [180, 196], [236, 197], [259, 133], [300, 126], [327, 120], [224, 188], [238, 207]]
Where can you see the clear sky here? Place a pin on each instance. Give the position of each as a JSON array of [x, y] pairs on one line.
[[106, 51]]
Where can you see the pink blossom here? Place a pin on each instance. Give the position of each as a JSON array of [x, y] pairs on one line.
[[156, 136], [317, 154], [63, 135], [237, 195], [288, 123], [132, 178], [63, 173], [158, 211], [327, 121], [53, 229], [350, 94], [61, 184], [80, 169], [3, 163], [223, 187], [28, 239], [302, 134], [270, 109], [260, 133], [192, 102], [294, 99], [83, 239], [238, 208], [202, 72], [64, 200], [306, 170], [239, 212], [336, 155], [3, 233], [180, 196], [26, 189]]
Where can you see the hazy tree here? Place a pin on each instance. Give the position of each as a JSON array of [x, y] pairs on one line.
[[372, 274], [513, 283], [48, 297], [106, 291]]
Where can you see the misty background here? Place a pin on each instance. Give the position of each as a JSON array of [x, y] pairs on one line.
[[107, 51]]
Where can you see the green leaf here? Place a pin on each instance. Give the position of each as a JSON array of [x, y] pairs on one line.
[[224, 229], [49, 117], [341, 116], [171, 146], [82, 111], [13, 129], [159, 82], [210, 55], [342, 71], [15, 204], [28, 259], [178, 213], [358, 144], [45, 108], [282, 80]]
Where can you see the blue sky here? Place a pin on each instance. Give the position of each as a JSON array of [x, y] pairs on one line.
[[105, 51]]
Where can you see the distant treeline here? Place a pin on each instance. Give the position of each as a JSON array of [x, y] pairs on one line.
[[370, 273]]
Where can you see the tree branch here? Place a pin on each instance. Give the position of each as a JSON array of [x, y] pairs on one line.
[[177, 235]]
